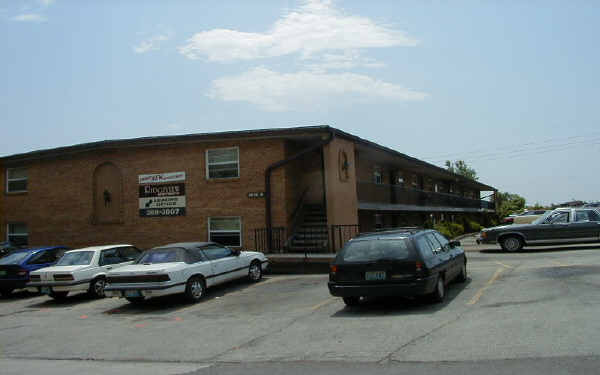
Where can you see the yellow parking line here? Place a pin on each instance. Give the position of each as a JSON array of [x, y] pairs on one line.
[[479, 293], [326, 302], [559, 263], [504, 265]]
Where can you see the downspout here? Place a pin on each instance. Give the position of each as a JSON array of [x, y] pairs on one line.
[[269, 170]]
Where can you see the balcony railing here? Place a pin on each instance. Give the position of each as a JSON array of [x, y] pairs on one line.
[[396, 194]]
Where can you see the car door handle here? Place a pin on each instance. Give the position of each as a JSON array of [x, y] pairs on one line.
[[109, 267]]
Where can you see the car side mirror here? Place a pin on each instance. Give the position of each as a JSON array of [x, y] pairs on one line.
[[236, 253], [454, 244]]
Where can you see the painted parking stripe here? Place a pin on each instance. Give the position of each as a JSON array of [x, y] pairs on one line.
[[480, 292]]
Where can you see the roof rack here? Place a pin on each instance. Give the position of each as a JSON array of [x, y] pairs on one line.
[[392, 230]]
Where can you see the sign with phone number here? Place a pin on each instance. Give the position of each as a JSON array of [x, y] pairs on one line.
[[146, 212]]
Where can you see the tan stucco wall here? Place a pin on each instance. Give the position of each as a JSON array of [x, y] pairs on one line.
[[342, 203]]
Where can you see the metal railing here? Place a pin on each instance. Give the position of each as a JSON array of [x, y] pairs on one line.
[[396, 194], [310, 239]]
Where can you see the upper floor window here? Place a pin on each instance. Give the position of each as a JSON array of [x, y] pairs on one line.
[[378, 177], [223, 163], [16, 180], [18, 234]]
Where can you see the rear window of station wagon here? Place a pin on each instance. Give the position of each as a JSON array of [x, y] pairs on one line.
[[372, 250]]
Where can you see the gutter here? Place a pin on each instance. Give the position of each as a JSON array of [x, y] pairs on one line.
[[269, 170]]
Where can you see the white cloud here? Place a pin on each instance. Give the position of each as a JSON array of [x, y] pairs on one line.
[[314, 27], [347, 60], [29, 17], [273, 91], [46, 3], [151, 44]]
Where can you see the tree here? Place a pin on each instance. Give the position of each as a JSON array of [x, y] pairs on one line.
[[507, 203], [461, 168]]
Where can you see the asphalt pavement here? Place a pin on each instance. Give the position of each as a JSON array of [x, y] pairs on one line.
[[531, 312]]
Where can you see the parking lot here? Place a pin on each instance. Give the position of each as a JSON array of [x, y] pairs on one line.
[[537, 309]]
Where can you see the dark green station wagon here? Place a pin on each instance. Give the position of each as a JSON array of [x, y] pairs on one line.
[[400, 262]]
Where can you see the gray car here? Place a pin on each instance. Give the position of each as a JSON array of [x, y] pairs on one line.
[[560, 226]]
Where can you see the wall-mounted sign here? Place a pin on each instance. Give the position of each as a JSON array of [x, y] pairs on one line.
[[260, 194], [157, 198], [161, 177]]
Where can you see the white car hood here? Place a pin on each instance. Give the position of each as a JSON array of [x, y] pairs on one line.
[[132, 269], [60, 269]]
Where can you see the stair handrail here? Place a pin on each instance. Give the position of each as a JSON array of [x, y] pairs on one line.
[[297, 217]]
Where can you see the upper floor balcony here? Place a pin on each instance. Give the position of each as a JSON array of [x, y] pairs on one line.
[[398, 197]]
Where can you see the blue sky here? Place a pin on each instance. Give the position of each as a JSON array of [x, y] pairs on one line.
[[510, 87]]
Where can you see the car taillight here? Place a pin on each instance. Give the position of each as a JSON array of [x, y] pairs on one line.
[[419, 267], [22, 273], [35, 278], [483, 234], [333, 269]]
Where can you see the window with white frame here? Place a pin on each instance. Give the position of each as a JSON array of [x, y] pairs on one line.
[[225, 230], [378, 177], [16, 180], [18, 234], [223, 163]]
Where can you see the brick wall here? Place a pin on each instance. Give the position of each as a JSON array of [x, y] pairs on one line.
[[58, 207]]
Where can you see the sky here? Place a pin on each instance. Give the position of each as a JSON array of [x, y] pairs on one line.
[[510, 87]]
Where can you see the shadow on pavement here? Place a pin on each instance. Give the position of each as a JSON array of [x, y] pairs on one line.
[[18, 295], [380, 306], [70, 300], [175, 302]]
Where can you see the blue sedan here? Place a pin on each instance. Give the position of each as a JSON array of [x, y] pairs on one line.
[[15, 267]]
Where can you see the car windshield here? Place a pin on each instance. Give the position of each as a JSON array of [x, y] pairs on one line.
[[14, 258], [165, 255], [372, 250], [77, 258], [542, 218]]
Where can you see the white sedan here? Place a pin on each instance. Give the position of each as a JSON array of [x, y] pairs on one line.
[[187, 268], [81, 270]]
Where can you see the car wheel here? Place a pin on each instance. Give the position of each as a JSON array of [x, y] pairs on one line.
[[462, 276], [511, 243], [6, 292], [135, 300], [58, 295], [351, 301], [439, 294], [255, 271], [96, 289], [194, 289]]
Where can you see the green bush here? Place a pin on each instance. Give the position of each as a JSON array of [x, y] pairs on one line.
[[473, 226], [450, 230]]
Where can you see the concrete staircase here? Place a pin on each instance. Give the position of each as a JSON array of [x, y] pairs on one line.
[[312, 233]]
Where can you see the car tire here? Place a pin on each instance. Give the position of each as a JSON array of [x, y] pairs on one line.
[[351, 301], [439, 294], [6, 292], [96, 289], [462, 275], [511, 244], [135, 300], [58, 295], [195, 289], [255, 271]]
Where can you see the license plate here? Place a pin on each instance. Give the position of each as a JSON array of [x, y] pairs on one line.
[[45, 290], [2, 273], [375, 275], [133, 293]]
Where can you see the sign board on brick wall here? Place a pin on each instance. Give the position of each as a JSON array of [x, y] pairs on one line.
[[161, 177], [157, 198]]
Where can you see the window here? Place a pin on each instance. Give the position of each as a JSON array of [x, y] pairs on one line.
[[585, 215], [369, 250], [18, 234], [77, 258], [110, 256], [222, 163], [16, 180], [558, 217], [425, 246], [225, 230], [378, 177], [443, 240], [217, 252], [43, 257], [128, 253], [437, 246]]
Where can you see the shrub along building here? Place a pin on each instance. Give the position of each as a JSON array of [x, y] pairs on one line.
[[296, 189]]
